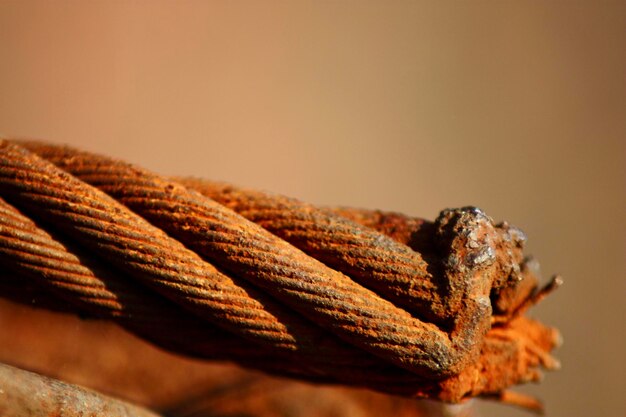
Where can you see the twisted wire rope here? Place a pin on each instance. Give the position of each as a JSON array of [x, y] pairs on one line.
[[375, 260], [134, 245], [84, 281], [31, 251], [238, 246], [366, 298]]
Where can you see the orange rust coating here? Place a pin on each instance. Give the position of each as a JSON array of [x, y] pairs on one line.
[[74, 276], [373, 259], [471, 255], [378, 255], [32, 256], [419, 234], [145, 252], [244, 249], [510, 355], [414, 232]]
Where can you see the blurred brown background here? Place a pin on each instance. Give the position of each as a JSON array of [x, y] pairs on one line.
[[517, 107]]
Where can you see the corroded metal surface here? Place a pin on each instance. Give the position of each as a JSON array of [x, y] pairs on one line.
[[304, 292], [32, 256]]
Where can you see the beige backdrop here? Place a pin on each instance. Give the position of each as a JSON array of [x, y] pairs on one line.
[[517, 107]]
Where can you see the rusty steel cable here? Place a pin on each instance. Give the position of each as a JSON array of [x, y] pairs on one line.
[[244, 249], [331, 307], [139, 248], [31, 252], [68, 272], [376, 261], [513, 351], [391, 264], [380, 262], [508, 301]]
